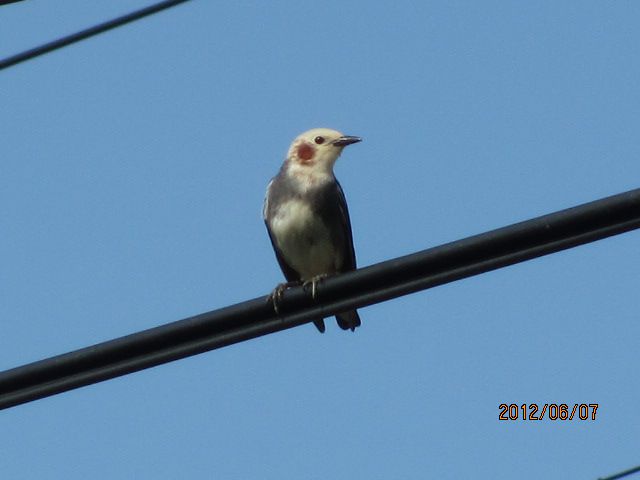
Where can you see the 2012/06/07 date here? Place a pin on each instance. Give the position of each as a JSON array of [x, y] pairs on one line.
[[551, 411]]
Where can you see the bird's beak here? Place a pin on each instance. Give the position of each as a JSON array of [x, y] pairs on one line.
[[345, 140]]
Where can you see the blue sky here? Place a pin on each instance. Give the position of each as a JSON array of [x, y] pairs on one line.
[[133, 172]]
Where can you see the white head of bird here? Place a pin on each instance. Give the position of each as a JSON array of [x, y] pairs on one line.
[[314, 152]]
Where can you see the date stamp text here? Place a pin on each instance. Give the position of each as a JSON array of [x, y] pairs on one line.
[[550, 411]]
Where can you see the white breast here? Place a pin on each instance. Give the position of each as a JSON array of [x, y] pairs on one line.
[[304, 240]]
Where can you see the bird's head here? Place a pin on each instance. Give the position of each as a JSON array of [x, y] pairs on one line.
[[316, 150]]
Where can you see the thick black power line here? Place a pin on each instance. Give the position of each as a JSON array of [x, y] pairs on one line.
[[88, 32], [366, 286]]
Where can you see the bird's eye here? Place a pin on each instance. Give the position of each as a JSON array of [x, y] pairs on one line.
[[319, 140]]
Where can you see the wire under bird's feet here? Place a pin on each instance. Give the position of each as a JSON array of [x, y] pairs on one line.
[[276, 296]]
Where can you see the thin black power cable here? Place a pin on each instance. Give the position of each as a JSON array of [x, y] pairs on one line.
[[366, 286], [621, 474], [89, 32]]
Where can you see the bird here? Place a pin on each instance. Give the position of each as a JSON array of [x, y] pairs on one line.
[[306, 215]]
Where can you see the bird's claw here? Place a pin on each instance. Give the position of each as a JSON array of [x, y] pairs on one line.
[[276, 296], [314, 284]]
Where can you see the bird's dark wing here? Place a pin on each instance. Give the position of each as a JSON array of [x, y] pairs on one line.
[[345, 224], [344, 237]]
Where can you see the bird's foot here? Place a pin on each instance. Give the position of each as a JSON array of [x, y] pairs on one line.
[[276, 296], [314, 283]]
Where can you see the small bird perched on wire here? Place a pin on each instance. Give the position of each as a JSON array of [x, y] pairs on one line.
[[307, 217]]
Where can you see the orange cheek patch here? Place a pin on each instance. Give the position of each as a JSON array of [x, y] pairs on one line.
[[306, 153]]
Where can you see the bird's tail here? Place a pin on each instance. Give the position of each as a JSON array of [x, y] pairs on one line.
[[348, 320], [319, 323]]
